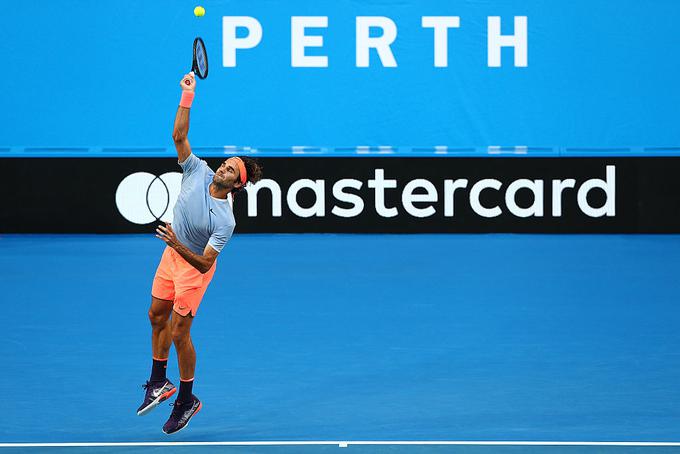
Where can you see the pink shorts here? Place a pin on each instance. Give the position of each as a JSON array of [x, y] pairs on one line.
[[177, 281]]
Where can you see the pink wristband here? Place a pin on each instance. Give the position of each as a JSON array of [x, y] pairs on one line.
[[187, 99]]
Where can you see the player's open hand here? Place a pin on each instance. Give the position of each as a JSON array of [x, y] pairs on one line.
[[188, 82], [167, 234]]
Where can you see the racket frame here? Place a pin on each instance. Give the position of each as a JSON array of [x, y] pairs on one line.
[[198, 41]]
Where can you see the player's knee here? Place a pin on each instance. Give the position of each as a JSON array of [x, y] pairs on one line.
[[157, 319], [179, 335]]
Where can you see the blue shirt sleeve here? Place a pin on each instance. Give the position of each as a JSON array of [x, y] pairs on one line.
[[191, 164], [220, 237]]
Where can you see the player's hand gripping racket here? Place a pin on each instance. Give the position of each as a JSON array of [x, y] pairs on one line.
[[200, 64]]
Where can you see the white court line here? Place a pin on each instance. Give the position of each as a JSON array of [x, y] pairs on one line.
[[342, 444]]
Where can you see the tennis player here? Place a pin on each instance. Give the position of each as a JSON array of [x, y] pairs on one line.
[[203, 222]]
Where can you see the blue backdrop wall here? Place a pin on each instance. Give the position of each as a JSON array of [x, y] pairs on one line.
[[83, 73]]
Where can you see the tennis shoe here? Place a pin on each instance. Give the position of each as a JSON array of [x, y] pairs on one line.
[[156, 392], [182, 412]]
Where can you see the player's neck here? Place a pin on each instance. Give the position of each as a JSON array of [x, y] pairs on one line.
[[218, 192]]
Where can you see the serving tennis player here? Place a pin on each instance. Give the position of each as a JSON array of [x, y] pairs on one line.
[[203, 223]]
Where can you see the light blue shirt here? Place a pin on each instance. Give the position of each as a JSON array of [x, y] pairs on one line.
[[198, 217]]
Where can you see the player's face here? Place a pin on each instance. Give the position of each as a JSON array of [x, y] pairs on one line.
[[228, 175]]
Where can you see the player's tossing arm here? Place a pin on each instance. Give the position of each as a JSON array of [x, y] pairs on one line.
[[202, 263], [181, 128]]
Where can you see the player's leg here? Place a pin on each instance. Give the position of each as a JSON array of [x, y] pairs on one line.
[[161, 331], [186, 405], [158, 387], [190, 286], [186, 355]]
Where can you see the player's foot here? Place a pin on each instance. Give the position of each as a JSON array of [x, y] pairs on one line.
[[182, 412], [156, 392]]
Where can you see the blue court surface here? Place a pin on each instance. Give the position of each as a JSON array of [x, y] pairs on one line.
[[301, 338]]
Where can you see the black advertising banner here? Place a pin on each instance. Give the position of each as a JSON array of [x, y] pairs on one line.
[[355, 195]]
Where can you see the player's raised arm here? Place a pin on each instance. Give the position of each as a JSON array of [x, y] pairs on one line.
[[181, 128]]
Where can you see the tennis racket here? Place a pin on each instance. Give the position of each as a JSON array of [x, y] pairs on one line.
[[200, 63]]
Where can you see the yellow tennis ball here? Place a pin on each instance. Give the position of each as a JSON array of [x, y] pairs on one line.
[[199, 11]]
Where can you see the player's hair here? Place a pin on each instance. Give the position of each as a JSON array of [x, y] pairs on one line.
[[254, 171]]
